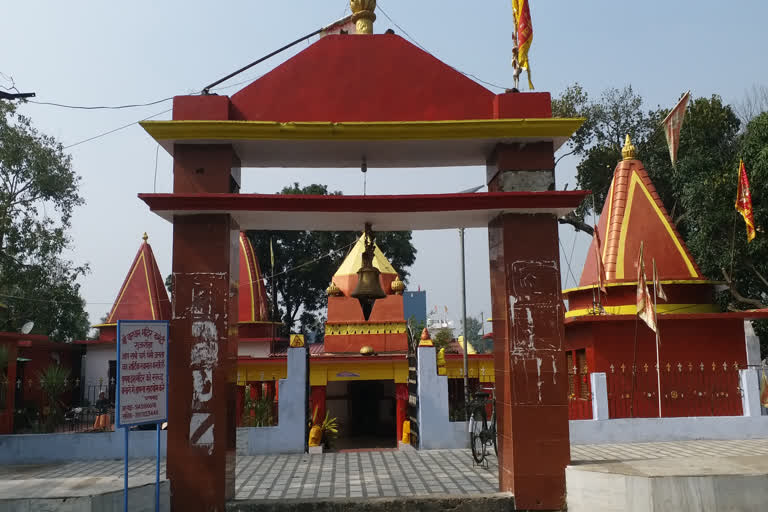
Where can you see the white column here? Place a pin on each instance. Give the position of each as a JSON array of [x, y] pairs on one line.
[[750, 392], [752, 343], [599, 384]]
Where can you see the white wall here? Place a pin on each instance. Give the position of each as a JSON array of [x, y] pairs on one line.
[[96, 362]]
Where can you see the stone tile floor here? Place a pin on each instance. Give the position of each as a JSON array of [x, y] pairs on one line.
[[382, 473]]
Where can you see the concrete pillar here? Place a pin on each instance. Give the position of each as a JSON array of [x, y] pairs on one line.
[[599, 385], [6, 413], [752, 342], [203, 350], [750, 392], [531, 378], [401, 395]]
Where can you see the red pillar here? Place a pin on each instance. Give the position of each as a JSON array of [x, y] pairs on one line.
[[317, 399], [531, 378], [6, 413], [203, 350], [240, 405], [401, 394]]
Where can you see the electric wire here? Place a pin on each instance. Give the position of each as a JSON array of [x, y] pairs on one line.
[[401, 29]]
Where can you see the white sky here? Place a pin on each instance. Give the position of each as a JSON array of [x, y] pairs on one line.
[[104, 53]]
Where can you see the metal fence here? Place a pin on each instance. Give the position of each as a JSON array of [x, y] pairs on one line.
[[75, 410], [687, 389]]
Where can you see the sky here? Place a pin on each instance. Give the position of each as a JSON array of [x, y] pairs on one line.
[[105, 53]]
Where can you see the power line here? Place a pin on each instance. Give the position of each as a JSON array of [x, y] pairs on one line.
[[115, 107], [103, 134], [470, 75]]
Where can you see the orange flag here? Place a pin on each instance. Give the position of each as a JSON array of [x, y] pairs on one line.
[[644, 303], [657, 289], [744, 202], [599, 261], [764, 391], [673, 123], [524, 26]]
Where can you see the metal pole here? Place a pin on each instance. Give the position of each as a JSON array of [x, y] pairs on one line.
[[464, 324], [157, 472], [125, 477]]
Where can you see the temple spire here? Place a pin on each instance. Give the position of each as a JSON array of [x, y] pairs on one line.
[[628, 151]]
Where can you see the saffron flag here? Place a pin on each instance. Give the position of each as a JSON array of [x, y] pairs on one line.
[[524, 28], [271, 256], [672, 125], [657, 289], [599, 261], [744, 202], [644, 305]]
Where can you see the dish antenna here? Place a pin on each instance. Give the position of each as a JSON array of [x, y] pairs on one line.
[[27, 327]]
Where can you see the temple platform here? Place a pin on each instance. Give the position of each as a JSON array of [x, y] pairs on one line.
[[698, 483], [78, 493]]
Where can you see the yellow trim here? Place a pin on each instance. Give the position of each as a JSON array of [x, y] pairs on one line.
[[354, 260], [635, 180], [149, 290], [634, 283], [482, 369], [250, 277], [383, 328], [662, 309], [104, 325], [607, 223], [376, 130], [122, 292]]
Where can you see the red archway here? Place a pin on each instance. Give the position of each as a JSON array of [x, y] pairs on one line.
[[378, 99]]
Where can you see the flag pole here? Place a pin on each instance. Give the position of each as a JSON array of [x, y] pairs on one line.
[[656, 318]]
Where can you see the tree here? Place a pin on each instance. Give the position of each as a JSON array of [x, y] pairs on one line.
[[699, 191], [475, 338], [442, 338], [38, 194], [305, 262]]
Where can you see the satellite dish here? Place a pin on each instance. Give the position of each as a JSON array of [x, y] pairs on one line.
[[27, 327]]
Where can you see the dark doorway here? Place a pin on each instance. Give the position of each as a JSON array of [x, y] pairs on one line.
[[370, 419]]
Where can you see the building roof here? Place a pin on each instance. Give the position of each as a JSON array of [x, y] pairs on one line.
[[633, 212], [354, 260], [252, 305], [143, 295]]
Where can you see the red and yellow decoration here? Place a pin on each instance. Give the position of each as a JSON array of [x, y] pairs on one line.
[[744, 202], [524, 29]]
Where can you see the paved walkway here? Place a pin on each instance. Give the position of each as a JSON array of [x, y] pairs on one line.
[[382, 474]]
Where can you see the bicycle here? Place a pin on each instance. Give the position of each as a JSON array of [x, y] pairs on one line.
[[482, 432]]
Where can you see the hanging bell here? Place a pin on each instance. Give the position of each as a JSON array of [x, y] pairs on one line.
[[368, 286]]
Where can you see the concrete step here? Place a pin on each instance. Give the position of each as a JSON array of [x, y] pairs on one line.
[[501, 502]]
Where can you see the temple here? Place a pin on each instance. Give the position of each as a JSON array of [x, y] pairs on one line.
[[141, 297], [603, 334]]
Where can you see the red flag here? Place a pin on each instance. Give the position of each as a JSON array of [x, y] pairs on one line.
[[644, 304], [672, 125], [599, 261], [744, 202]]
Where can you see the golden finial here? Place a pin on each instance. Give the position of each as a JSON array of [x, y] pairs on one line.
[[425, 339], [333, 290], [363, 16], [367, 350], [145, 237], [628, 151], [397, 286]]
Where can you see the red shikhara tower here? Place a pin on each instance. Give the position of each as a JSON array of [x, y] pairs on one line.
[[256, 329], [698, 343], [142, 297]]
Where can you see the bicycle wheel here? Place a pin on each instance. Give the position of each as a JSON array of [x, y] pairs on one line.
[[477, 439]]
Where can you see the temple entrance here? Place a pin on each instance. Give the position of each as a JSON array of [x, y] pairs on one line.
[[366, 413]]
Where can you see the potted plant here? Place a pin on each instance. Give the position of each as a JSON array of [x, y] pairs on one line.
[[322, 433], [54, 381]]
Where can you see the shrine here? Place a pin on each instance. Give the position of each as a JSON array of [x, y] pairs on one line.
[[701, 349], [350, 100]]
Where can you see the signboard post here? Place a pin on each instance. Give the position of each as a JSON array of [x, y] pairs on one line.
[[142, 383]]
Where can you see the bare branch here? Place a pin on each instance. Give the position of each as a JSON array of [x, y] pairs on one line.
[[757, 273], [577, 223], [736, 295]]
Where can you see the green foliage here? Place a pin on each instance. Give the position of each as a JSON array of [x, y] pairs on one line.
[[475, 336], [301, 282], [699, 191], [54, 381], [258, 412], [442, 338], [38, 194]]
